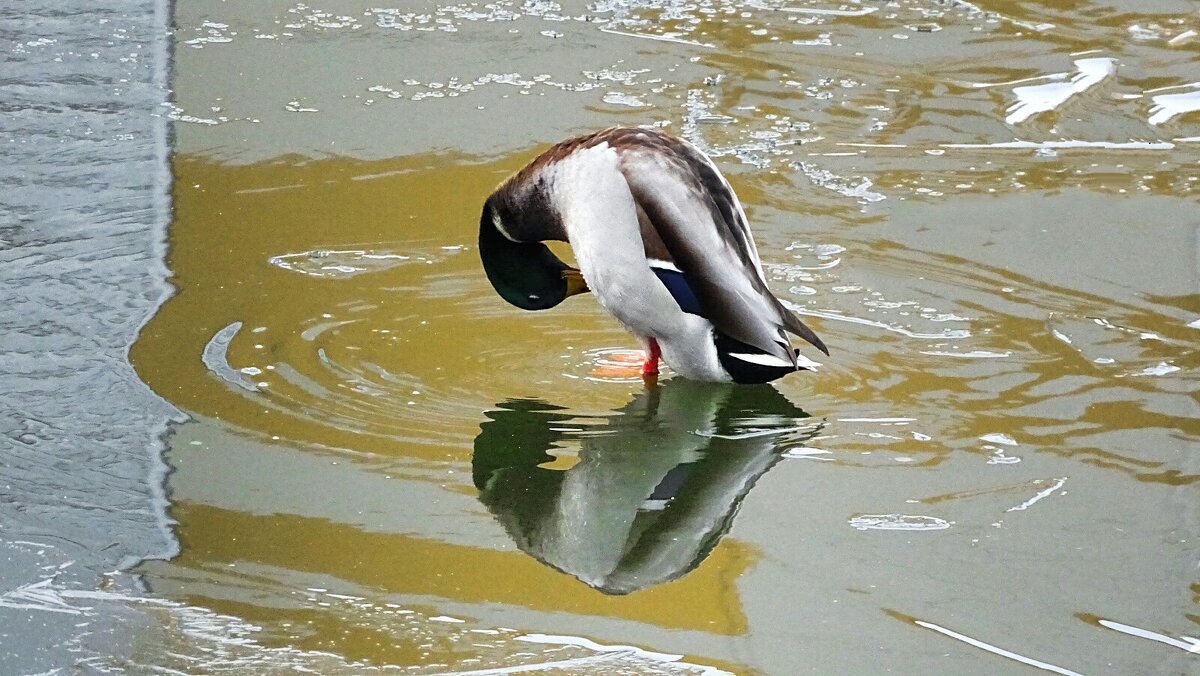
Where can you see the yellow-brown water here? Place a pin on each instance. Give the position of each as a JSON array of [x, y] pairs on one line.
[[987, 211]]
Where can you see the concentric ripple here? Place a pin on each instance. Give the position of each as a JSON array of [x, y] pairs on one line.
[[379, 346]]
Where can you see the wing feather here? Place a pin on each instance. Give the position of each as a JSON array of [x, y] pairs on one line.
[[699, 221]]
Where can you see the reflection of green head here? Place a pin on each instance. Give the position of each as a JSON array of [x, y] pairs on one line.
[[526, 274]]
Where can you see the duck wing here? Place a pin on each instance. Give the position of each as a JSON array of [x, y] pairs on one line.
[[700, 223]]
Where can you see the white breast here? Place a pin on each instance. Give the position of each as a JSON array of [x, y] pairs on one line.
[[600, 216]]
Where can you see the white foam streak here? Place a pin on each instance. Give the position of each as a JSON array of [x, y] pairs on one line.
[[592, 661], [753, 433], [973, 354], [1009, 83], [1058, 483], [1059, 145], [807, 453], [663, 658], [948, 334], [1047, 145], [873, 145], [659, 38], [997, 651], [1188, 643]]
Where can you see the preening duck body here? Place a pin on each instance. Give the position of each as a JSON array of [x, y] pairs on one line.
[[660, 240]]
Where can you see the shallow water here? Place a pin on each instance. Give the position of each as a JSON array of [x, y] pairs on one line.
[[986, 210]]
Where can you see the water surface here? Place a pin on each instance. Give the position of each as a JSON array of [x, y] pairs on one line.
[[986, 210]]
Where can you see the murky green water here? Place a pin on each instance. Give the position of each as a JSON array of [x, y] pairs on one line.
[[987, 211]]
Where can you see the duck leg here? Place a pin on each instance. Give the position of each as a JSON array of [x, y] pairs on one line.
[[650, 366]]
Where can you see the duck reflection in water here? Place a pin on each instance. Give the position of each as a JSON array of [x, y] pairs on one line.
[[656, 485]]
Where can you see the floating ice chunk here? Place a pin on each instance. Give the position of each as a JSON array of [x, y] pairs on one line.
[[623, 99], [1162, 368], [898, 522], [860, 190], [1041, 98], [1167, 106], [215, 357], [1183, 38]]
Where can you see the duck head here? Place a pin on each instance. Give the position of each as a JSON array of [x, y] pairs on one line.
[[524, 273]]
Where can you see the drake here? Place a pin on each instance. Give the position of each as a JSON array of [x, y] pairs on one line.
[[662, 243]]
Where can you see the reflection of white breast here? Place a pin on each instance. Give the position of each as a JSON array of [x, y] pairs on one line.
[[654, 490], [593, 525]]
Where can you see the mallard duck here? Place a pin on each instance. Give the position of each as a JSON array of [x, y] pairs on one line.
[[660, 240]]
